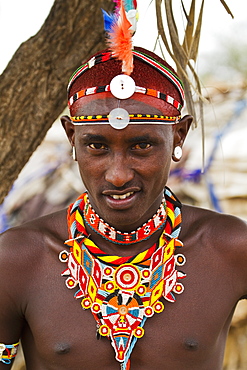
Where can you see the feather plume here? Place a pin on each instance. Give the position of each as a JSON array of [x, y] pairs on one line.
[[120, 40]]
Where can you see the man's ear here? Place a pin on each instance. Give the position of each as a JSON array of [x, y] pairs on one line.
[[180, 132], [69, 129]]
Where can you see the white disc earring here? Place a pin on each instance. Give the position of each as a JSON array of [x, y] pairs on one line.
[[73, 153], [177, 153]]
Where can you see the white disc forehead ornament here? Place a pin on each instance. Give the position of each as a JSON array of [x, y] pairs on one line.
[[118, 118], [122, 86]]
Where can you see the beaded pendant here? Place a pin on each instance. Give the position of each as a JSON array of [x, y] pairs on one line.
[[122, 292]]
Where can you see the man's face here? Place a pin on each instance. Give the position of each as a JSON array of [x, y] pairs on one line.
[[124, 171]]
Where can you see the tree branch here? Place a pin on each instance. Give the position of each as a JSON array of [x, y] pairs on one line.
[[33, 86]]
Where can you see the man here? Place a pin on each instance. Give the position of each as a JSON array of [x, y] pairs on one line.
[[125, 246]]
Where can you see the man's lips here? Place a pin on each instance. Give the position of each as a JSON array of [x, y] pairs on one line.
[[123, 197], [121, 194]]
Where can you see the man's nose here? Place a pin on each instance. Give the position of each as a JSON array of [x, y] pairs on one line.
[[119, 172]]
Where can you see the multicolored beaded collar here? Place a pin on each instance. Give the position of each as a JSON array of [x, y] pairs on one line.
[[114, 236], [122, 292]]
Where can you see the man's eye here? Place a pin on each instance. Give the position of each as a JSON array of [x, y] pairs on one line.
[[142, 146], [97, 146]]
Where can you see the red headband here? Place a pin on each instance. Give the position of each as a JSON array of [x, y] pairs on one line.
[[158, 78]]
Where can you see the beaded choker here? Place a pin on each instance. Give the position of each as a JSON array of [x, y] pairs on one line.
[[108, 232], [123, 292]]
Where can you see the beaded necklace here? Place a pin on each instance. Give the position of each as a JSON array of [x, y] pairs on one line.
[[110, 233], [122, 292]]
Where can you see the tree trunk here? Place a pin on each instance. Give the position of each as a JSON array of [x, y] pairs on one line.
[[33, 86]]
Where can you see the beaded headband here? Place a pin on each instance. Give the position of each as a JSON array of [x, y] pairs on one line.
[[142, 90], [120, 121], [104, 57]]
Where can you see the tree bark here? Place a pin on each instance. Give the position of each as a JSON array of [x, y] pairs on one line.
[[33, 85]]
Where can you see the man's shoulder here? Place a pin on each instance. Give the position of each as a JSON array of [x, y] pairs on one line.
[[223, 234], [220, 237], [32, 237], [27, 252], [222, 227]]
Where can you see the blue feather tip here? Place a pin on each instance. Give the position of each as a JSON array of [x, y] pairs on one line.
[[109, 20]]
